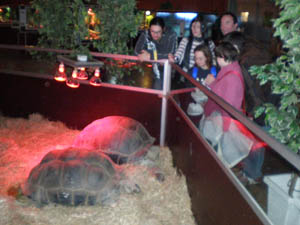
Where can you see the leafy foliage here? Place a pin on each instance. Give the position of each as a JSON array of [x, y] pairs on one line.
[[284, 75], [63, 24], [119, 21]]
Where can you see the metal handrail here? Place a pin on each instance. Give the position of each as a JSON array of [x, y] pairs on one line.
[[162, 93], [281, 149], [64, 51]]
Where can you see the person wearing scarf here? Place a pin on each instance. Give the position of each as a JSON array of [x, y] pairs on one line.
[[184, 55]]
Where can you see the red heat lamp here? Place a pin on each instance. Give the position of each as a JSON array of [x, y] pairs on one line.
[[95, 80], [60, 75], [71, 81], [149, 65], [81, 71], [82, 75]]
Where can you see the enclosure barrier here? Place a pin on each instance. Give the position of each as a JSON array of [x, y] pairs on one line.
[[192, 154]]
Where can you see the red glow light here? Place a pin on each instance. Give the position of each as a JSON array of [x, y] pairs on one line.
[[60, 79], [95, 84], [74, 73], [97, 72], [95, 80], [125, 65], [82, 75], [73, 85], [61, 68], [257, 142], [60, 75], [90, 12]]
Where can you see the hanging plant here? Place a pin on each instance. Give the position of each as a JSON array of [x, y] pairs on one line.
[[284, 75]]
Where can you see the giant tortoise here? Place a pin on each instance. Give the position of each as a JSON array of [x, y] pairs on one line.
[[123, 139], [76, 176]]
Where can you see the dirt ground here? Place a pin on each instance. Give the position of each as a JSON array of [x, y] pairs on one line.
[[23, 143]]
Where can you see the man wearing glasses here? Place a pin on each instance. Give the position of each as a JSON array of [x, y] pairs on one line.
[[156, 43]]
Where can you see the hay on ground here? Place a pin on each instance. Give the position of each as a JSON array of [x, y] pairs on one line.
[[24, 142]]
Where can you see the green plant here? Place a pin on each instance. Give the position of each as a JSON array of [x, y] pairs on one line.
[[63, 26], [119, 21], [284, 76]]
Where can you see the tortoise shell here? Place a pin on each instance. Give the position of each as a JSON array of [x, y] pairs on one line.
[[73, 177], [123, 139]]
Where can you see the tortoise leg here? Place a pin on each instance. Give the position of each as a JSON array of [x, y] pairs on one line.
[[151, 160], [130, 187], [109, 197], [153, 153], [158, 174]]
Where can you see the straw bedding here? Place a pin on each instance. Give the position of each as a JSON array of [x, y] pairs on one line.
[[23, 142]]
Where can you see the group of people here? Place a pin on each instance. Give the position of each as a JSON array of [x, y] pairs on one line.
[[223, 68], [194, 54]]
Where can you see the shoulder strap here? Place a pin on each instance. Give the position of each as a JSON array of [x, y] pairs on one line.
[[236, 73], [195, 72], [213, 71]]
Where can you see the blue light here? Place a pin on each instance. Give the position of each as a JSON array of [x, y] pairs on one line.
[[163, 14], [188, 16]]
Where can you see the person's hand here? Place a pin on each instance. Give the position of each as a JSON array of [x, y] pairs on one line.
[[171, 58], [209, 79], [144, 55]]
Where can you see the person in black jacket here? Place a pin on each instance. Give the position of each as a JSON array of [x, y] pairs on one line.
[[156, 43], [228, 23]]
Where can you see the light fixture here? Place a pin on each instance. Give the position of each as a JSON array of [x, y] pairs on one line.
[[60, 74], [90, 11], [81, 71], [95, 80], [244, 16], [72, 82], [186, 15], [82, 74]]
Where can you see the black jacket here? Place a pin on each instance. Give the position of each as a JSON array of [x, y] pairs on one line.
[[167, 44]]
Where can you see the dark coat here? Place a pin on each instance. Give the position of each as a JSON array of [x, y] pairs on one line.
[[254, 53]]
